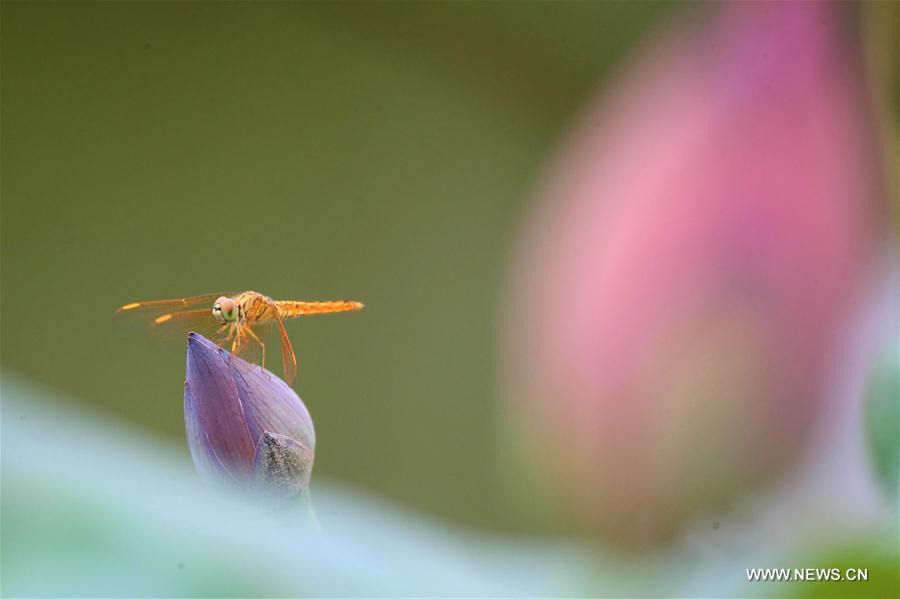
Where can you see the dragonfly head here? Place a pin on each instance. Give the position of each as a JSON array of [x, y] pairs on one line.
[[225, 310]]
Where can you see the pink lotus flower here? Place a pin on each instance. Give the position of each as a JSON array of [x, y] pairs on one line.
[[679, 293]]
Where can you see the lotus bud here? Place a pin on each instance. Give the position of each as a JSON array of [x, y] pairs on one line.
[[245, 426], [681, 291]]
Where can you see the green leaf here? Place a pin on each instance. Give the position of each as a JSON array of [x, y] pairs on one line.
[[883, 418]]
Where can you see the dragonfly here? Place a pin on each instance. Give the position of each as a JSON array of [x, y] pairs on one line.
[[238, 319]]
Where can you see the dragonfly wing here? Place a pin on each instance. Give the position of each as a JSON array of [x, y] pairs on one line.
[[153, 308], [173, 317], [179, 323], [288, 358], [251, 344]]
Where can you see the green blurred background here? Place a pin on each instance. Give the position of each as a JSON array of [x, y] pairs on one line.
[[382, 152]]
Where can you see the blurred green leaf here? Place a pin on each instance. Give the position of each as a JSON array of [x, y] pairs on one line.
[[880, 560], [883, 418], [91, 508]]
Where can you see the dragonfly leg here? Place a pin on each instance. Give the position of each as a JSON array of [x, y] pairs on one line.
[[261, 344], [220, 340], [234, 334]]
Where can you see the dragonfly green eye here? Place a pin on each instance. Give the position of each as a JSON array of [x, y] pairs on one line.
[[225, 310]]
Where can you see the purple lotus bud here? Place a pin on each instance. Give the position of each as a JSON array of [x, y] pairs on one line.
[[245, 426]]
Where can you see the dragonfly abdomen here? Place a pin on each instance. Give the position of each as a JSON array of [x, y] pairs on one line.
[[292, 309]]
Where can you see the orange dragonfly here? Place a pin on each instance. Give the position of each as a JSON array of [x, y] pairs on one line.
[[238, 318]]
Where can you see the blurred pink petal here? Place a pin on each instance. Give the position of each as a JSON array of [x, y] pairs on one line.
[[679, 292]]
